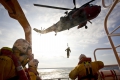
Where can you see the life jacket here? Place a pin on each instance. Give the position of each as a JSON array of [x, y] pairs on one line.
[[35, 72], [26, 70], [5, 51], [87, 65]]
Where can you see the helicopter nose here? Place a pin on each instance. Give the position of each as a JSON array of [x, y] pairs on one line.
[[99, 9], [94, 12]]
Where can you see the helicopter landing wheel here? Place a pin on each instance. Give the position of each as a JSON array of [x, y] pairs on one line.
[[86, 27]]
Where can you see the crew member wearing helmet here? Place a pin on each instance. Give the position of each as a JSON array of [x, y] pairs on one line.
[[32, 69], [84, 59], [81, 57], [13, 61], [86, 69]]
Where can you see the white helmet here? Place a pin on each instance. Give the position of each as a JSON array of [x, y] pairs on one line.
[[22, 45], [82, 56], [33, 63]]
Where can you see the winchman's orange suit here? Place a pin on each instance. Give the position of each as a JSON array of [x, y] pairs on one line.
[[86, 70], [32, 69], [12, 61]]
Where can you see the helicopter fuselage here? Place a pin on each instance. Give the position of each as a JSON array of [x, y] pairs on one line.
[[77, 17]]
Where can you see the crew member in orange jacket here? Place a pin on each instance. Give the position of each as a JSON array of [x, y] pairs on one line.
[[86, 69], [32, 69], [13, 61]]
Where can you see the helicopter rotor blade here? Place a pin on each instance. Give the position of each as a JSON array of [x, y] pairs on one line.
[[74, 1], [87, 3], [52, 7], [90, 1]]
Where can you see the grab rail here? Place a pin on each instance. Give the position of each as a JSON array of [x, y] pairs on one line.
[[103, 49], [109, 35]]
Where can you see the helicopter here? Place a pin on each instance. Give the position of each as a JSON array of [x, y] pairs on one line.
[[76, 17]]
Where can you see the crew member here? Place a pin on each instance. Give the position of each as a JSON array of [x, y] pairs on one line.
[[13, 61], [32, 69], [86, 69]]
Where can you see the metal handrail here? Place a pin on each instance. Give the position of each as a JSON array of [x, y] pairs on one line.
[[105, 49], [115, 29], [109, 35], [103, 3], [102, 49]]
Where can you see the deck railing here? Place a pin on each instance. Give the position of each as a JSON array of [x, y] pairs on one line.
[[109, 35], [104, 49]]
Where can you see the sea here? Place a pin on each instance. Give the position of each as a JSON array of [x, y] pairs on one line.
[[62, 73]]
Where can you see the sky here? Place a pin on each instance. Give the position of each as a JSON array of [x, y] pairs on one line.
[[50, 49]]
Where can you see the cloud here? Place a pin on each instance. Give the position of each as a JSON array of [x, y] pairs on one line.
[[0, 32], [88, 36], [107, 43], [1, 7], [24, 10], [107, 54], [8, 40]]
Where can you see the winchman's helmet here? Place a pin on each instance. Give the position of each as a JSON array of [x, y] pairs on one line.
[[33, 63], [82, 56], [22, 50]]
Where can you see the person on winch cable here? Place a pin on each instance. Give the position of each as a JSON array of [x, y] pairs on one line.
[[32, 69], [68, 52], [13, 61], [86, 69]]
